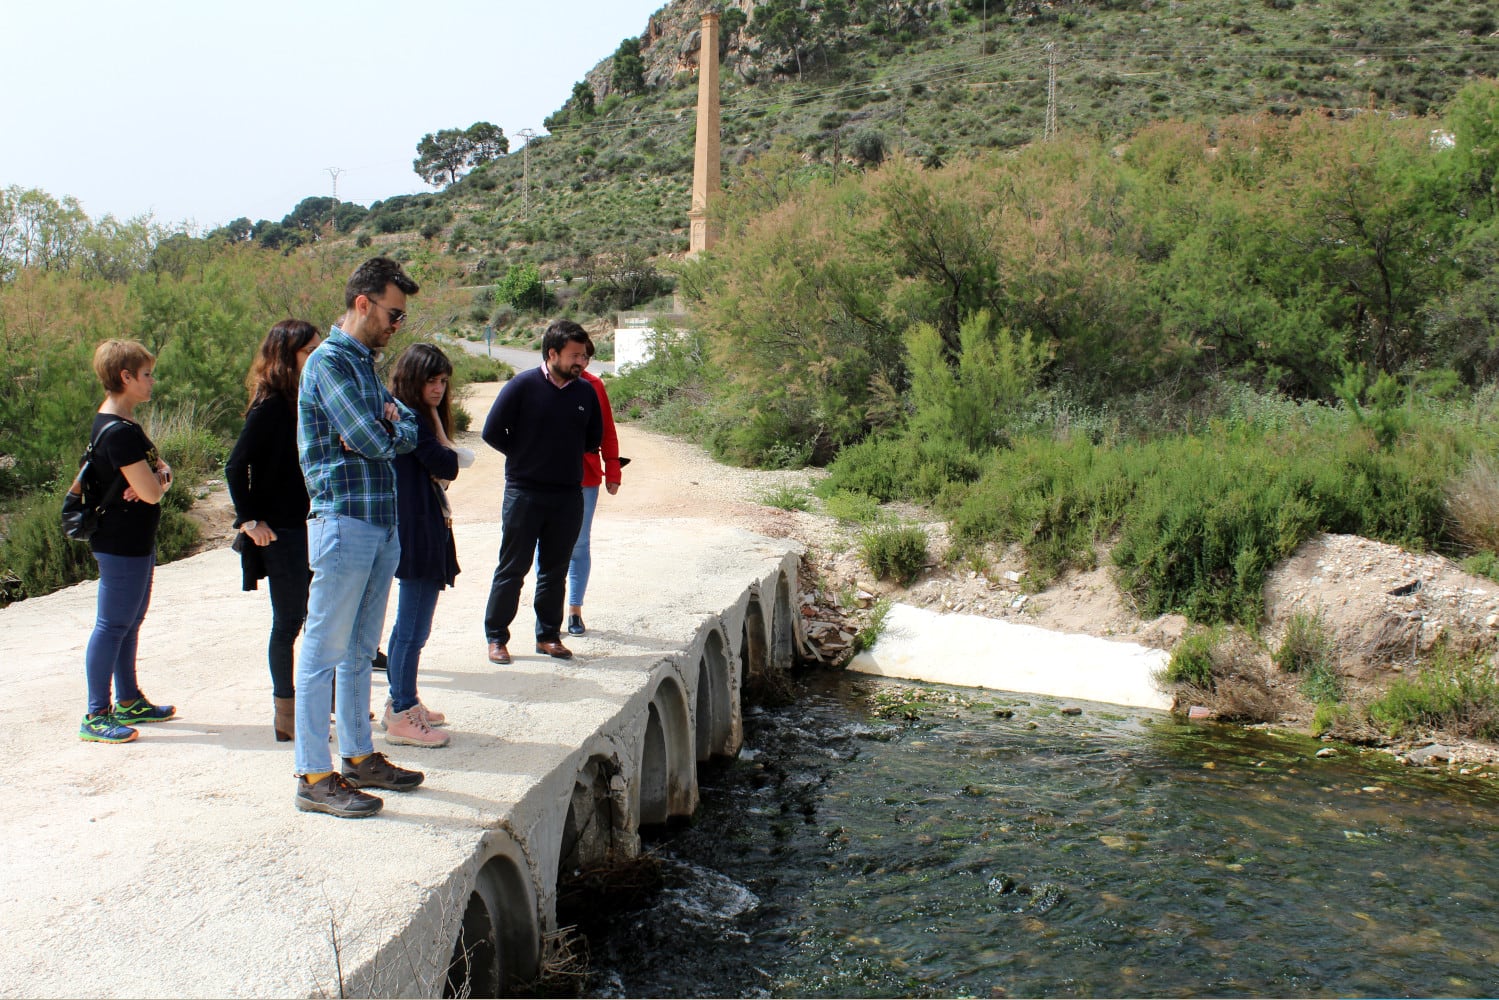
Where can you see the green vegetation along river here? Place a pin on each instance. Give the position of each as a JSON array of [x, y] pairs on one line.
[[1113, 853]]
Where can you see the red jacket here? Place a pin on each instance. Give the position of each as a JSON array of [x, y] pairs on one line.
[[595, 471]]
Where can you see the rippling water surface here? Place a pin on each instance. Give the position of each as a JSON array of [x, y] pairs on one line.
[[1115, 853]]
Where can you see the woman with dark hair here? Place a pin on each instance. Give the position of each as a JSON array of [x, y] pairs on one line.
[[424, 523], [270, 502], [125, 463]]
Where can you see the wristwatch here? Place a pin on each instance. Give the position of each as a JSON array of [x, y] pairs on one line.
[[250, 525]]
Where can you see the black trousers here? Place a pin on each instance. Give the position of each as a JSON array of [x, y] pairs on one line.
[[540, 525], [288, 577]]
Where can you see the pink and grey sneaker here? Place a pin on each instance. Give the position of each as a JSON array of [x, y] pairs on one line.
[[410, 728]]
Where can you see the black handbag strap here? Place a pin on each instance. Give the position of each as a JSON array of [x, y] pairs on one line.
[[115, 489]]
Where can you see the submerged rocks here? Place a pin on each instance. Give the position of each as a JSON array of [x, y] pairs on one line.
[[1436, 753]]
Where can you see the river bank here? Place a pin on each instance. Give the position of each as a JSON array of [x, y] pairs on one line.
[[1386, 609]]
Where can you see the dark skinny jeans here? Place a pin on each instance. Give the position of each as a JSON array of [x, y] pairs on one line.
[[288, 576], [124, 596]]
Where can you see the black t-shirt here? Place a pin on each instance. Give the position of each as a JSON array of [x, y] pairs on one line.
[[127, 527]]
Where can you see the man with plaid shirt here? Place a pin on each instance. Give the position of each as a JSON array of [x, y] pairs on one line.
[[349, 431]]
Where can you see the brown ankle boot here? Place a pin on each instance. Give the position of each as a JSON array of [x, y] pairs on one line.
[[286, 719]]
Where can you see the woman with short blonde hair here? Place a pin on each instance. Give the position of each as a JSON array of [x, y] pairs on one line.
[[132, 478]]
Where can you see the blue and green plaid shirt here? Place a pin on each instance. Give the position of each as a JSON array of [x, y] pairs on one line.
[[346, 445]]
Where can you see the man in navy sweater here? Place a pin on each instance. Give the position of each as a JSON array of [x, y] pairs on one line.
[[544, 420]]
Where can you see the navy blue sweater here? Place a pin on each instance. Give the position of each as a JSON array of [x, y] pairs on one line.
[[427, 548], [544, 430]]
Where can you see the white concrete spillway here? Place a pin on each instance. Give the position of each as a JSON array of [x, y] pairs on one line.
[[178, 866], [974, 651]]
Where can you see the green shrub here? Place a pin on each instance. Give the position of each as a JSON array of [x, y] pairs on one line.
[[1307, 649], [677, 362], [178, 533], [1056, 498], [1306, 644], [1482, 564], [1457, 693], [853, 508], [183, 440], [900, 467], [894, 550], [786, 498], [523, 288], [1192, 659], [1328, 716], [36, 558], [477, 368], [1322, 684], [870, 634]]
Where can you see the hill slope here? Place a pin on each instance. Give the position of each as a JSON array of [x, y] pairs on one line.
[[933, 80]]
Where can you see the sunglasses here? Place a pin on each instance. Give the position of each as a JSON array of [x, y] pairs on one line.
[[396, 315]]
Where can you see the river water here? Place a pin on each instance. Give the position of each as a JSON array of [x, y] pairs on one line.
[[993, 846]]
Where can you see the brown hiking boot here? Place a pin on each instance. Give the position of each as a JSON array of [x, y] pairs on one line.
[[337, 797], [375, 771]]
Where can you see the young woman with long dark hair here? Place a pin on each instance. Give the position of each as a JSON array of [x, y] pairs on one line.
[[424, 522], [270, 502]]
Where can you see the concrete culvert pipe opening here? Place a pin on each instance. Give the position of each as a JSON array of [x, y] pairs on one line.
[[715, 703], [753, 652], [474, 970]]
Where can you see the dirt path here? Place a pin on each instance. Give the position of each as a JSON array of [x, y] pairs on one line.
[[666, 478]]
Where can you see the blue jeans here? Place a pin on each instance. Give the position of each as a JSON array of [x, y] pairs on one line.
[[352, 562], [415, 604], [124, 596], [543, 522], [582, 561]]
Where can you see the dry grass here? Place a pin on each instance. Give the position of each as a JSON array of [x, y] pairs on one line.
[[1473, 505], [565, 965], [1242, 687]]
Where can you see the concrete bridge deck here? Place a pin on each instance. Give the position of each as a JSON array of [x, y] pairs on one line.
[[178, 866]]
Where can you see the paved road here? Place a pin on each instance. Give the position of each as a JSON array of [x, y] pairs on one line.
[[517, 358]]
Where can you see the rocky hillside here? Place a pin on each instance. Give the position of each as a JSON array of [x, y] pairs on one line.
[[931, 79]]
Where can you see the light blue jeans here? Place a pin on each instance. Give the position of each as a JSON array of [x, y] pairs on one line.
[[416, 602], [581, 563], [352, 562]]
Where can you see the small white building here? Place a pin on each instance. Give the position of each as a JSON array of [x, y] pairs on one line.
[[634, 336]]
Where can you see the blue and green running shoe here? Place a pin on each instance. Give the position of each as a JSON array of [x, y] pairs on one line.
[[140, 710], [103, 728]]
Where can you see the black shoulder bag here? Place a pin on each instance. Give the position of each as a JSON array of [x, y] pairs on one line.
[[80, 506]]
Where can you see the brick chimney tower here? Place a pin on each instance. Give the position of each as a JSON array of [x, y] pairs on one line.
[[705, 182]]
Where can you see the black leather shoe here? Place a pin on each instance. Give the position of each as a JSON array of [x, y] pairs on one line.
[[575, 625], [555, 649]]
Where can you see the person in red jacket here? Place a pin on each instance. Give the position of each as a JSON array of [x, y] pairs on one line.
[[599, 467]]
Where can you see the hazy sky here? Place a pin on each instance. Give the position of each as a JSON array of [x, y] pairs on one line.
[[206, 110]]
